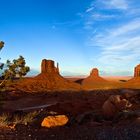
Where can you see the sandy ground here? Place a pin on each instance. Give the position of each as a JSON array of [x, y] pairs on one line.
[[109, 78]]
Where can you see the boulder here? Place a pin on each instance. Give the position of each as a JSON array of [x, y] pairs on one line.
[[54, 121], [115, 104]]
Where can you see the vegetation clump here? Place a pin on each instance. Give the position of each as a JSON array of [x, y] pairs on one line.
[[12, 69], [16, 69]]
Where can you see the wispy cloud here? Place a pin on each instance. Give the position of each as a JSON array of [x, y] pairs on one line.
[[119, 44], [90, 9], [116, 4], [117, 26], [99, 10]]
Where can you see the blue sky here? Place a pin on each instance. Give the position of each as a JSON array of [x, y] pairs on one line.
[[79, 34]]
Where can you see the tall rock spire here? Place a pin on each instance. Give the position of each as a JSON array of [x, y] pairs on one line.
[[137, 71], [47, 66]]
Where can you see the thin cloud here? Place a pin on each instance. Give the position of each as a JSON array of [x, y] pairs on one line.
[[120, 45], [116, 4], [117, 35], [90, 9], [98, 16]]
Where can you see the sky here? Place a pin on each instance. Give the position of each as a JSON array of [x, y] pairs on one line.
[[78, 34]]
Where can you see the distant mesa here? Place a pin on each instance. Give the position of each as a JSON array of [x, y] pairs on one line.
[[94, 80]]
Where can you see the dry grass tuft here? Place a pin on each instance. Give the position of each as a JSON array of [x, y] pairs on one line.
[[4, 120]]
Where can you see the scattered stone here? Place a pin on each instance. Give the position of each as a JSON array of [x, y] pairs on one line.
[[54, 121], [89, 116]]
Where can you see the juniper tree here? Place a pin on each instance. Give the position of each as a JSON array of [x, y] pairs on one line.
[[16, 69]]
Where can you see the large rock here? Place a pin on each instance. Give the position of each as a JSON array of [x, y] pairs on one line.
[[114, 104], [54, 121]]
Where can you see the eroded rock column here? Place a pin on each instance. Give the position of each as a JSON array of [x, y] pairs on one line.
[[137, 71]]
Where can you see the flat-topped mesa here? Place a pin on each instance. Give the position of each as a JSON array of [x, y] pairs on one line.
[[137, 71], [94, 72], [48, 66]]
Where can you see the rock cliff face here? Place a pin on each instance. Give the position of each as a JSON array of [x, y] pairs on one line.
[[135, 81], [137, 71], [48, 70], [94, 72], [47, 66], [93, 80]]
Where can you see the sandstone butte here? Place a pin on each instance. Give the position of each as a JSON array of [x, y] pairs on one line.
[[54, 121], [48, 79], [135, 81], [94, 80]]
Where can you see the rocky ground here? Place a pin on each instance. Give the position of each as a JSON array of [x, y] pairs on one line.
[[83, 109]]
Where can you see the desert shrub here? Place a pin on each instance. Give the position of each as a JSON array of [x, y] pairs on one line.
[[4, 120], [7, 119], [16, 68], [28, 118]]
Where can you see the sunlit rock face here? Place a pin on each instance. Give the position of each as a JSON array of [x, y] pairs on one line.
[[135, 81], [94, 72], [48, 66], [137, 71]]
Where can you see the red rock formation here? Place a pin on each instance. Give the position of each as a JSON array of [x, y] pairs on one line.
[[94, 80], [94, 72], [135, 81], [137, 71], [49, 79], [47, 66]]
